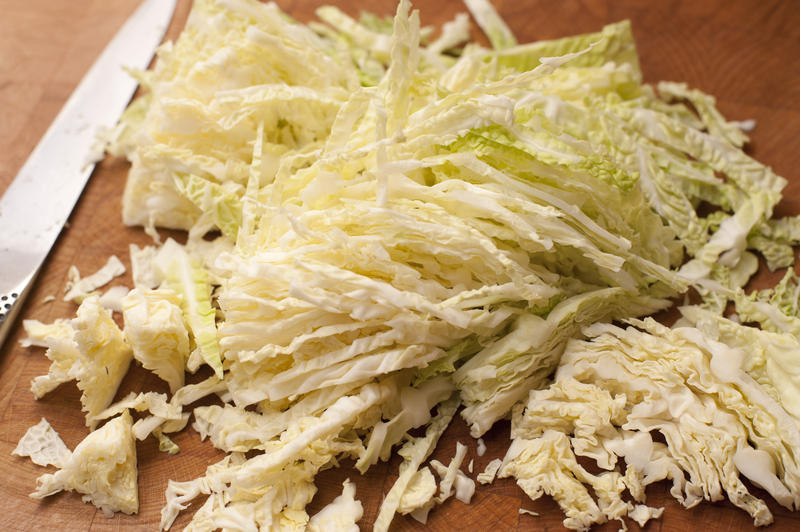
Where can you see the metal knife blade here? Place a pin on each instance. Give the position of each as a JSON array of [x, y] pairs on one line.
[[38, 202]]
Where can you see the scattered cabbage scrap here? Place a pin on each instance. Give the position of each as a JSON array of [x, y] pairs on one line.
[[342, 514], [67, 360], [82, 287], [43, 445], [453, 480], [488, 475], [408, 225]]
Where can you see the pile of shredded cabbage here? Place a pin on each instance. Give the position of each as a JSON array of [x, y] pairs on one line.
[[386, 224]]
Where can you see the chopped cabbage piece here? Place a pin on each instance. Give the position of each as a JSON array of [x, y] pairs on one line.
[[453, 478], [102, 468], [488, 475], [419, 496], [341, 515], [450, 476], [547, 465], [82, 287], [105, 357], [143, 266], [481, 447], [43, 445], [156, 331], [155, 403], [642, 513], [165, 443], [67, 360], [42, 334]]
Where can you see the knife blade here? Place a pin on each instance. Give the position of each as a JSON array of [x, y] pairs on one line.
[[38, 202]]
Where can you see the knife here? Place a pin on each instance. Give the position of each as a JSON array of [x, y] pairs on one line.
[[38, 202]]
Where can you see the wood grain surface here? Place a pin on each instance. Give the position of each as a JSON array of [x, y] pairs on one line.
[[746, 53]]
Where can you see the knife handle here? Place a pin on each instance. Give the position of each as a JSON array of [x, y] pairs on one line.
[[11, 303]]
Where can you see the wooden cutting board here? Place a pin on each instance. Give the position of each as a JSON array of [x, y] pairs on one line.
[[746, 53]]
